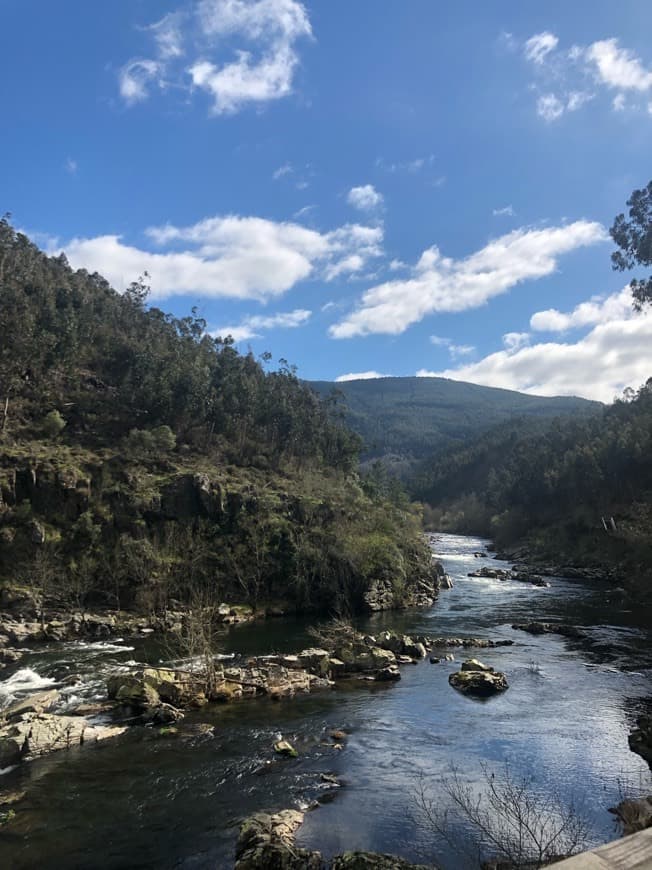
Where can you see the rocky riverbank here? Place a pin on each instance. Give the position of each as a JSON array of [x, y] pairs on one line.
[[163, 696], [268, 842]]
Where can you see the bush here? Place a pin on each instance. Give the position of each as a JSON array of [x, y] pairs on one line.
[[141, 442], [53, 424]]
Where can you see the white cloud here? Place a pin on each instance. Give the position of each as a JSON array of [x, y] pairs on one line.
[[612, 356], [507, 211], [540, 45], [617, 67], [251, 327], [168, 35], [566, 80], [619, 103], [514, 340], [230, 256], [441, 283], [455, 350], [599, 309], [286, 169], [302, 212], [365, 197], [136, 77], [71, 166], [549, 107], [576, 99], [360, 376], [244, 52]]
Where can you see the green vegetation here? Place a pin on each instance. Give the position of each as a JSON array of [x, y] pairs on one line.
[[403, 420], [634, 240], [144, 463], [550, 485]]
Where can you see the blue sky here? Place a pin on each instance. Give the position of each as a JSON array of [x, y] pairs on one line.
[[370, 187]]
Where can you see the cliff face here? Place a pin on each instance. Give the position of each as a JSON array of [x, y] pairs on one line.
[[145, 534]]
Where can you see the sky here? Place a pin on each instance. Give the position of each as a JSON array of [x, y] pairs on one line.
[[362, 188]]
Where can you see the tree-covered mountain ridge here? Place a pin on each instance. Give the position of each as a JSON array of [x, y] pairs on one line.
[[144, 463], [574, 491], [402, 420]]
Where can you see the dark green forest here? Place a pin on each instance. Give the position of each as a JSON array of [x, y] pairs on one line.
[[403, 420], [552, 483], [142, 459]]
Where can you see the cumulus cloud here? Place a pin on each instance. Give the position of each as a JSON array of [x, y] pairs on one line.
[[441, 283], [136, 77], [360, 376], [599, 366], [455, 350], [617, 67], [244, 52], [364, 198], [599, 309], [252, 327], [229, 256], [514, 340], [538, 46], [566, 80], [549, 107]]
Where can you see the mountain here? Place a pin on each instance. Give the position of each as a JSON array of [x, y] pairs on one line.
[[406, 419]]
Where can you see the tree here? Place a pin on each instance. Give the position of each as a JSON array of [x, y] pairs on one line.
[[634, 238], [507, 822]]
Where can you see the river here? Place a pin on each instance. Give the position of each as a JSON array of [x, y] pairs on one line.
[[149, 801]]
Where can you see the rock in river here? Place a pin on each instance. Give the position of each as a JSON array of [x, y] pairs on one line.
[[35, 734], [478, 679]]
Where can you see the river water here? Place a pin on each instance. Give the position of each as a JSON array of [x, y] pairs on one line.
[[150, 801]]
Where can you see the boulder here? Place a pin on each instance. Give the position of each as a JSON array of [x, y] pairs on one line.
[[315, 660], [640, 740], [475, 665], [634, 814], [284, 747], [267, 842], [36, 734], [39, 703], [414, 649], [481, 682]]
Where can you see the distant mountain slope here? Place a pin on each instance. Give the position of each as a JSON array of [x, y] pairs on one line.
[[409, 418]]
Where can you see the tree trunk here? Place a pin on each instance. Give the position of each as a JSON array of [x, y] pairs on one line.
[[5, 415]]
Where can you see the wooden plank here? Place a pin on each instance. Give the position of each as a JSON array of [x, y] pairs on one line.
[[629, 853]]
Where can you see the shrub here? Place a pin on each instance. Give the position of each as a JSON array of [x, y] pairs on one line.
[[53, 424]]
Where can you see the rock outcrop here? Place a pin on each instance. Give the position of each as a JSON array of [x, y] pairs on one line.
[[523, 575], [267, 842], [640, 740], [476, 678], [634, 814], [31, 735]]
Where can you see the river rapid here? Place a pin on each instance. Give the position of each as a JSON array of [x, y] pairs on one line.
[[146, 800]]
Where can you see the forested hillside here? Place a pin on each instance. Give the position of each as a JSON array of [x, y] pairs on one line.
[[550, 485], [142, 459], [405, 419]]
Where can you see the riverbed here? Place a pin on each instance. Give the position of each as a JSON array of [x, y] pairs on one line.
[[149, 800]]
